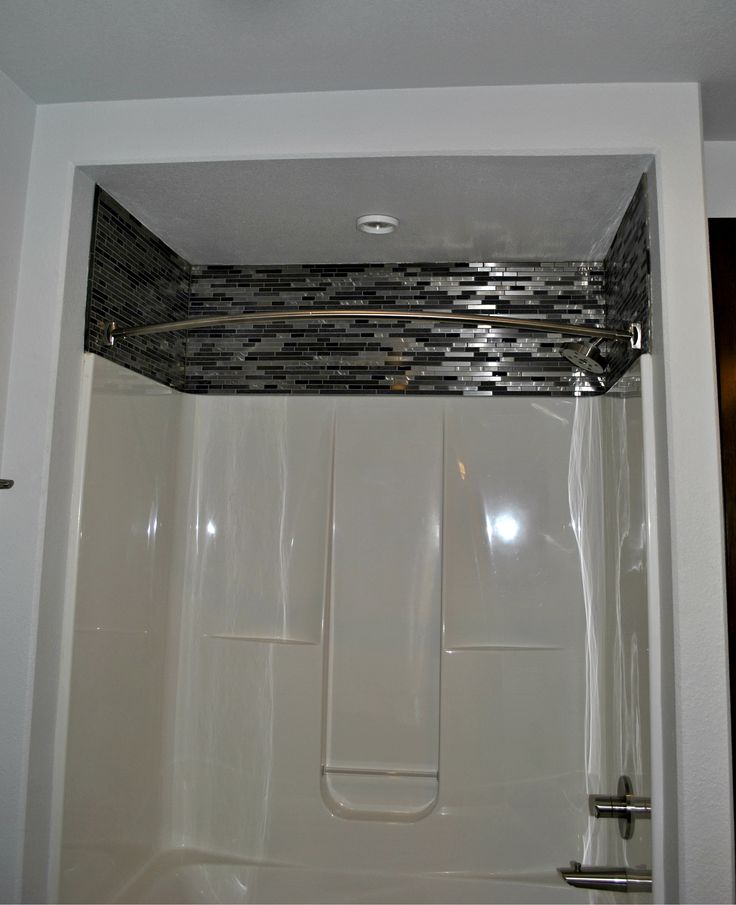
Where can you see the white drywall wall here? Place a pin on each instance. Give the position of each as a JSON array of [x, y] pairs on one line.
[[719, 159], [17, 116]]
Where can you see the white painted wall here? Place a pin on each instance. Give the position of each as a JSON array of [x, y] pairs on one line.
[[56, 622], [720, 178], [661, 119], [17, 117]]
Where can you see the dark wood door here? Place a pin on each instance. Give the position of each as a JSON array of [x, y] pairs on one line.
[[722, 234]]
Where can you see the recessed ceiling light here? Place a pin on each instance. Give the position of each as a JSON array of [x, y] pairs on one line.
[[376, 224]]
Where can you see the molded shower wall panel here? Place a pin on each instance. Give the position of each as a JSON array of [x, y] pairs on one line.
[[515, 644], [251, 715], [385, 610], [250, 590], [409, 585], [512, 576], [113, 770], [258, 496]]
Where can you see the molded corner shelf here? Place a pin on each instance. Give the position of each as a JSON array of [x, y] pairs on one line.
[[261, 640], [457, 648]]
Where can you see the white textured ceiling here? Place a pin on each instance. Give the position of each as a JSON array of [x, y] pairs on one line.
[[79, 50], [450, 208]]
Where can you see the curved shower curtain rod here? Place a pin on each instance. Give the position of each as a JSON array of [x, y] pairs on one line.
[[632, 335]]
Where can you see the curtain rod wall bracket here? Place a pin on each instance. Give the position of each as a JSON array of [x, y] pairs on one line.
[[637, 335]]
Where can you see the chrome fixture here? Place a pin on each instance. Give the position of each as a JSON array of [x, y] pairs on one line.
[[6, 483], [625, 806], [376, 224], [631, 334], [586, 356], [608, 879]]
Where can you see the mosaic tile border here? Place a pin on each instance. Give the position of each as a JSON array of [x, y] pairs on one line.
[[627, 287], [135, 278], [384, 357]]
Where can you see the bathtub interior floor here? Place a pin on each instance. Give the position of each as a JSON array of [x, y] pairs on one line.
[[190, 876]]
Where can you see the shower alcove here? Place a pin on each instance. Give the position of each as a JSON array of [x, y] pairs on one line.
[[360, 612]]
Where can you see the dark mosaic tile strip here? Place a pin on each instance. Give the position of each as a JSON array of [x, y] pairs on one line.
[[628, 282], [134, 278], [360, 356]]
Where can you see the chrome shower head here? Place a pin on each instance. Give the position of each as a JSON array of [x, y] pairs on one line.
[[586, 356]]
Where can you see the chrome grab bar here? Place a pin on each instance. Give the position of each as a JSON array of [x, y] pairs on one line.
[[606, 879]]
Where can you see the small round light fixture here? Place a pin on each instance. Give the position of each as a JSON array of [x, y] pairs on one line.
[[376, 224]]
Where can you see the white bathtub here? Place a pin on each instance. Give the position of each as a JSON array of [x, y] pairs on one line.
[[192, 877]]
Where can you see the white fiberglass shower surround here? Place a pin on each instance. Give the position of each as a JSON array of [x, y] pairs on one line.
[[353, 647]]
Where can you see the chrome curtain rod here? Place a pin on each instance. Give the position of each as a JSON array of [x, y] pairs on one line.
[[632, 335]]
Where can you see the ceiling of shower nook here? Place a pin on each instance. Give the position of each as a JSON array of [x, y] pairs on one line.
[[449, 208]]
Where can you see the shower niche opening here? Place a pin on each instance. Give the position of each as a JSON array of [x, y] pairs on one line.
[[361, 604]]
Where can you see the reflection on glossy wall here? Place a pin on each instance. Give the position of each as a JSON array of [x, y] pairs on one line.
[[341, 649]]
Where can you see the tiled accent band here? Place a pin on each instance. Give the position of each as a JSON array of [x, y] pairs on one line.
[[627, 280], [364, 356], [136, 279]]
